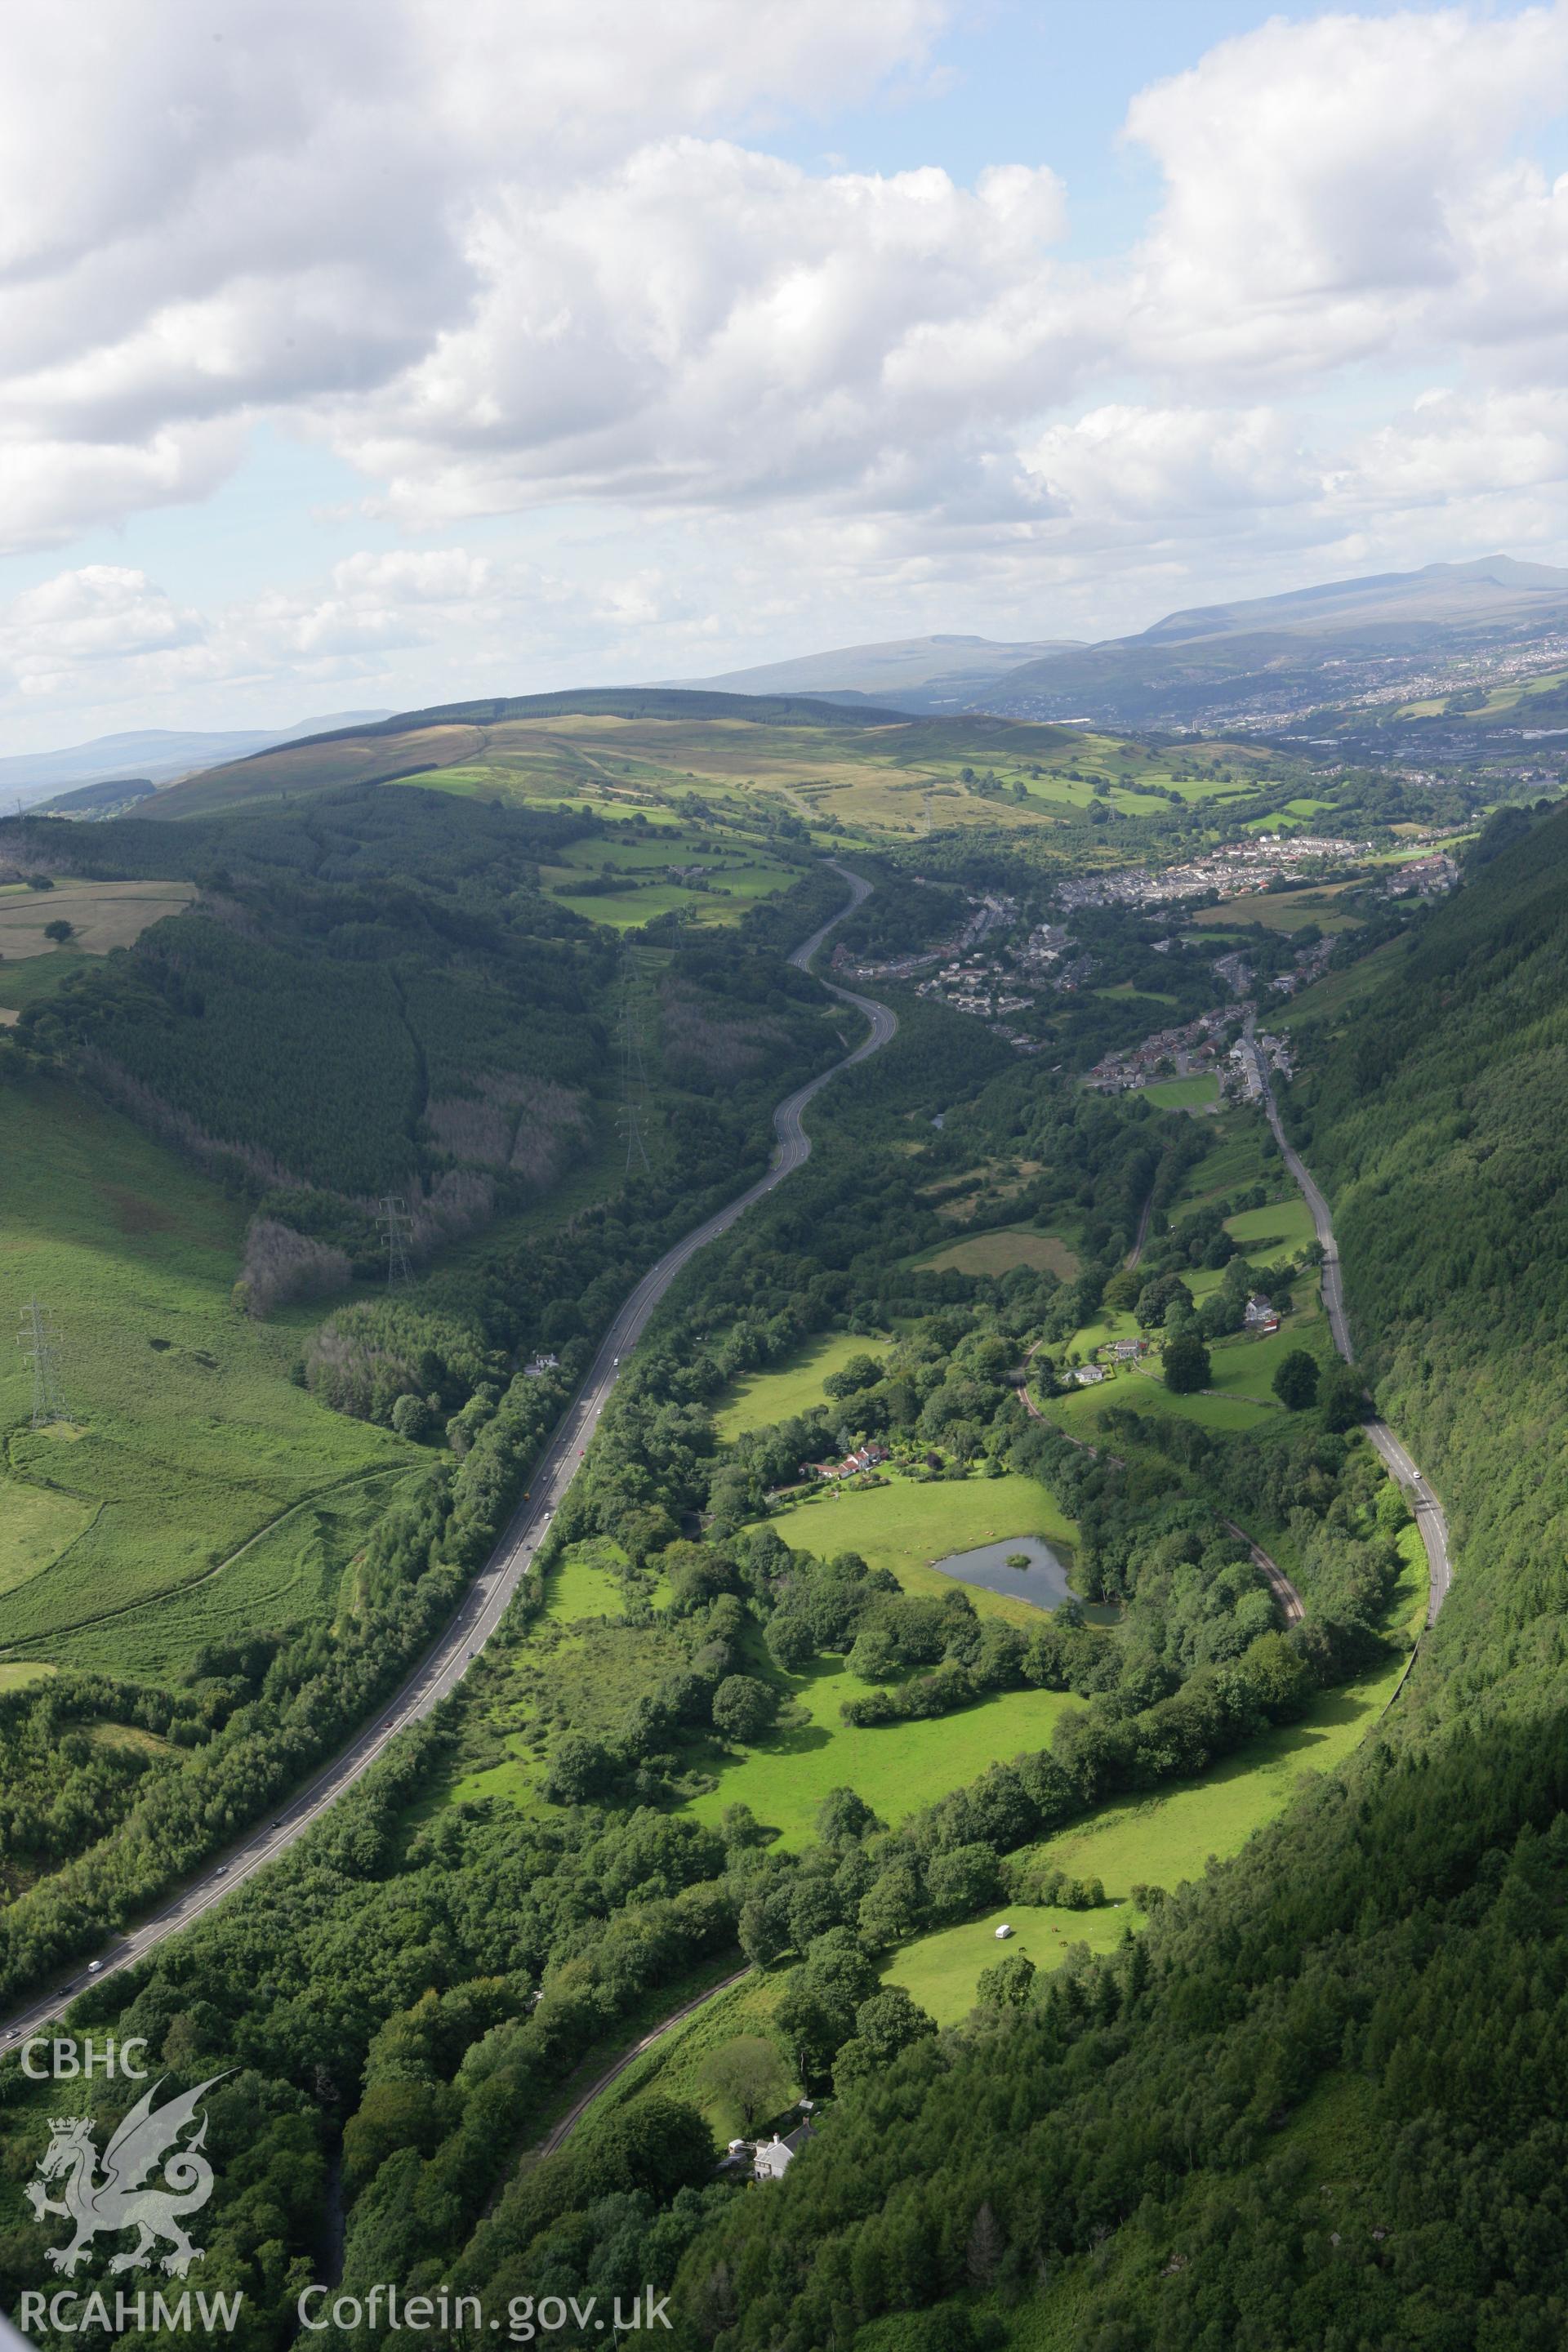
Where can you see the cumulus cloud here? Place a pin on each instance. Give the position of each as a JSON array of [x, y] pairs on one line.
[[102, 616], [267, 204], [708, 324], [551, 264]]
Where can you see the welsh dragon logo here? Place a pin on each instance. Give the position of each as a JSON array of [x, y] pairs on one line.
[[116, 2201]]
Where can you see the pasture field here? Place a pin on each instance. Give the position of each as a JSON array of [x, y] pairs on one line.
[[581, 1585], [1273, 1232], [291, 1573], [1234, 1162], [26, 979], [1241, 1372], [908, 1524], [1079, 1414], [1004, 1247], [871, 780], [600, 1669], [1341, 993], [189, 1437], [1125, 993], [755, 1399], [102, 915], [1285, 911], [676, 2065], [735, 876], [18, 1677], [1166, 1838], [1183, 1093], [942, 1969], [896, 1768]]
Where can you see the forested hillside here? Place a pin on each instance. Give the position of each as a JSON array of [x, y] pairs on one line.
[[1295, 2101], [372, 995], [567, 1828], [1320, 2104], [240, 1524]]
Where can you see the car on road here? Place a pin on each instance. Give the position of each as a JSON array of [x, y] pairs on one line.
[[93, 1967]]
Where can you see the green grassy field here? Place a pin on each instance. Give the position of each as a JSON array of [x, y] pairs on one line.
[[1341, 993], [27, 980], [735, 877], [907, 1524], [677, 2064], [189, 1437], [102, 915], [1233, 1162], [1285, 911], [1271, 1234], [896, 1768], [1241, 1373], [1125, 993], [871, 782], [1004, 1247], [16, 1678], [289, 1574], [794, 1386], [1080, 1412], [1183, 1093], [579, 1586], [1163, 1839], [942, 1969]]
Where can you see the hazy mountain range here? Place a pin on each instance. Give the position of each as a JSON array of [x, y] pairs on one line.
[[1215, 662], [156, 755], [942, 673], [1253, 661]]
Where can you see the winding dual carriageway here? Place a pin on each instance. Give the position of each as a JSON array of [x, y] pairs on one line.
[[488, 1598], [485, 1604]]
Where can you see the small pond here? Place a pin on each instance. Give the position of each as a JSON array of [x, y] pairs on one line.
[[1044, 1583]]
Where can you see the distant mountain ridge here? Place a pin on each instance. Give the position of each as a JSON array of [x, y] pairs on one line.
[[1217, 663], [1191, 662], [925, 674], [155, 755]]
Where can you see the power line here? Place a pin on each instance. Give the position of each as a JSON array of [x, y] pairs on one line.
[[632, 1119], [40, 1341], [396, 1228]]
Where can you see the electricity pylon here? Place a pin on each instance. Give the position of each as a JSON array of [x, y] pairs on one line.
[[632, 1119], [40, 1341], [397, 1225]]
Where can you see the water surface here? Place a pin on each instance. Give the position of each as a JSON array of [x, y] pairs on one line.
[[1043, 1584]]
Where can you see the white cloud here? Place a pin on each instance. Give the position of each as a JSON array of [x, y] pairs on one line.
[[208, 215], [547, 263], [101, 618], [1126, 463], [707, 324], [1343, 186]]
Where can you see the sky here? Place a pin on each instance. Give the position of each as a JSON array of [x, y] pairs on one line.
[[392, 352]]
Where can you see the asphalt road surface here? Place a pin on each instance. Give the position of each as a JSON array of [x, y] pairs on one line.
[[562, 2131], [1423, 1503], [488, 1598]]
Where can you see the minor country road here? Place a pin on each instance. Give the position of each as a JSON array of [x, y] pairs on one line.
[[1279, 1585], [487, 1597], [560, 2132], [1424, 1504]]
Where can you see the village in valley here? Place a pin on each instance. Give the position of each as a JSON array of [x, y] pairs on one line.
[[1226, 872]]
